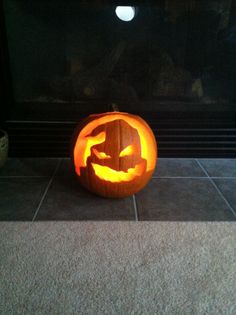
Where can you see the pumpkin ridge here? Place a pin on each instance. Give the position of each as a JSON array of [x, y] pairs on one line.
[[119, 141]]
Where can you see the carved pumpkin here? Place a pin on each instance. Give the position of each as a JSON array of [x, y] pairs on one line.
[[114, 154]]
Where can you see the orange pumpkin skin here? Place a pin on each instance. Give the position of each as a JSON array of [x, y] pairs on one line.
[[114, 154]]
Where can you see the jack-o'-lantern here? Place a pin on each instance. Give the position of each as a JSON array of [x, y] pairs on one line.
[[114, 153]]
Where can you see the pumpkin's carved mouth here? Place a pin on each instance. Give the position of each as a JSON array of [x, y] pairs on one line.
[[108, 174]]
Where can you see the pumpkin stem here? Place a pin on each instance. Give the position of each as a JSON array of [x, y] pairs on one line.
[[114, 107]]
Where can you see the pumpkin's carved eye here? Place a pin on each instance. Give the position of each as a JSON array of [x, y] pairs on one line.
[[129, 150], [101, 155]]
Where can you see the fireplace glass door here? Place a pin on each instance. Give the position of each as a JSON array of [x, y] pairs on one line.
[[73, 56], [167, 60]]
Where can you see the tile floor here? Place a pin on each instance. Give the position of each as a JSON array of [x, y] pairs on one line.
[[181, 190]]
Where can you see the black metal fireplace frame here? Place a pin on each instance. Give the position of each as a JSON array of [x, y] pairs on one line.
[[179, 134]]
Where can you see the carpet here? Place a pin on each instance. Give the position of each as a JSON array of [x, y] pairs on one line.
[[117, 268]]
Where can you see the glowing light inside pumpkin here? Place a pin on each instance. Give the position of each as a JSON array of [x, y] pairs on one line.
[[101, 155], [82, 149], [108, 174], [89, 142], [125, 13], [128, 151]]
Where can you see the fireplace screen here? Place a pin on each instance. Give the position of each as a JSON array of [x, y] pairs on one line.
[[164, 55]]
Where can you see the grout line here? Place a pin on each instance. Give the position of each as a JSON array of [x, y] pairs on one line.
[[194, 177], [46, 190], [135, 209], [202, 168], [154, 177], [223, 177], [218, 190], [24, 176], [43, 121], [173, 177]]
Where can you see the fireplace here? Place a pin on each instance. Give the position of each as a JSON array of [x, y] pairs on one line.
[[174, 63]]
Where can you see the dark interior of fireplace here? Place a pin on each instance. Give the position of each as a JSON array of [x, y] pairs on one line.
[[174, 64]]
